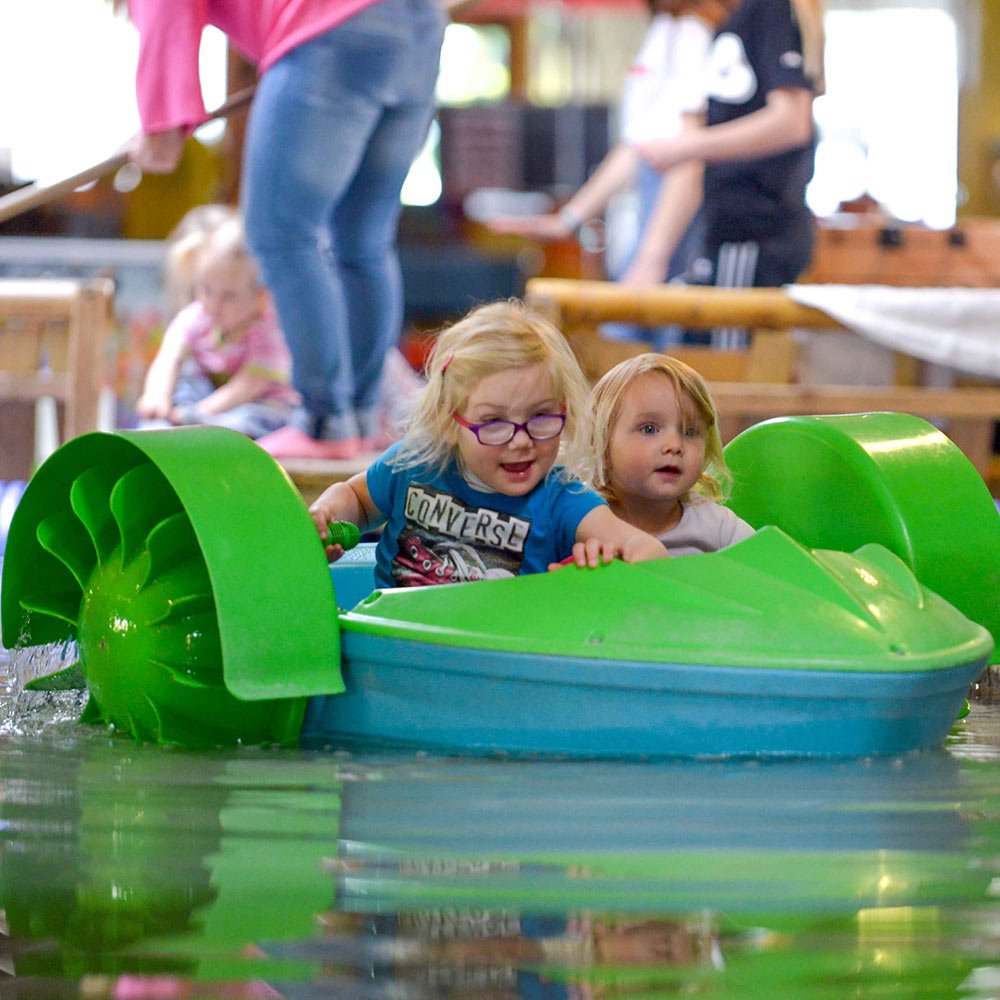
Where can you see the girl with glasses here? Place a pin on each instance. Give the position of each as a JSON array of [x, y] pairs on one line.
[[478, 487], [658, 454]]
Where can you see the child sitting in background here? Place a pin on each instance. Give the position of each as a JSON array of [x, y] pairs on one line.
[[473, 489], [658, 454], [223, 360]]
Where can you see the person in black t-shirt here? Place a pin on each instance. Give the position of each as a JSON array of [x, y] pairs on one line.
[[757, 146]]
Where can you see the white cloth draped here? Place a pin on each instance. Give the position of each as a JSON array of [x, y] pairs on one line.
[[955, 327]]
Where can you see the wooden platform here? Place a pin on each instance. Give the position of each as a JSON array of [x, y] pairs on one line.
[[312, 475]]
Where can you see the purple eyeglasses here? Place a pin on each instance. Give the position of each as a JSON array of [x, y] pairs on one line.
[[541, 427]]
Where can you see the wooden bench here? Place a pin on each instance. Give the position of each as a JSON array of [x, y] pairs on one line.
[[761, 381], [52, 343], [312, 475]]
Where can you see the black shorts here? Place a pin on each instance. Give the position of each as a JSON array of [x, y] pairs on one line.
[[768, 263]]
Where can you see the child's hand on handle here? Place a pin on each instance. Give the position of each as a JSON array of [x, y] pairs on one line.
[[339, 513], [341, 536], [328, 516], [593, 552], [337, 537], [589, 553], [602, 536]]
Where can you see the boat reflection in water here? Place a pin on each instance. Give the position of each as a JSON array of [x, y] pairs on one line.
[[136, 872]]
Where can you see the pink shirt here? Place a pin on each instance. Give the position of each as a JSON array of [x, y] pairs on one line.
[[168, 87], [261, 350]]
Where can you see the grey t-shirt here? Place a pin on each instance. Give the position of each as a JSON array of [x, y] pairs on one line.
[[705, 527]]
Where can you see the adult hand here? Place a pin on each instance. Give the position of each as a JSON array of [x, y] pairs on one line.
[[158, 152]]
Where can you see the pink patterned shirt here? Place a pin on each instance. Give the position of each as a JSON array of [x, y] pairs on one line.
[[261, 349]]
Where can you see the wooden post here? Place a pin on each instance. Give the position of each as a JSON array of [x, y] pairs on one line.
[[63, 323]]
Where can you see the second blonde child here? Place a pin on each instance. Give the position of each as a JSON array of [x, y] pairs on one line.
[[658, 454], [474, 490], [223, 359]]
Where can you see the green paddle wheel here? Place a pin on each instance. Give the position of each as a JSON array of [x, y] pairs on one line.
[[187, 567]]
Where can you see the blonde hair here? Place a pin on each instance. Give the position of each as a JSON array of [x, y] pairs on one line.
[[490, 339], [215, 230], [692, 394]]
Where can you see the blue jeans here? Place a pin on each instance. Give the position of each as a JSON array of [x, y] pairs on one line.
[[333, 130]]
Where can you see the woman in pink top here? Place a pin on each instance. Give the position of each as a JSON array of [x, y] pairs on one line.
[[343, 105]]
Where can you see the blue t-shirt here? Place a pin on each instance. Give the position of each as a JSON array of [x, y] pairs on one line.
[[441, 529]]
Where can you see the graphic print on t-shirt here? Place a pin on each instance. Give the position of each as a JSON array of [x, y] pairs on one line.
[[446, 540], [731, 78]]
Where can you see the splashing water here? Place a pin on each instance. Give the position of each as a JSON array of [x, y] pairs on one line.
[[25, 712]]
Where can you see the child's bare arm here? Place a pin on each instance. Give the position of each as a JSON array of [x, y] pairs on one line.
[[347, 501], [158, 389], [783, 123], [602, 536], [245, 386]]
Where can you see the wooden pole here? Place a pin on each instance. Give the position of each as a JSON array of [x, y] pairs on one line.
[[604, 301], [37, 194]]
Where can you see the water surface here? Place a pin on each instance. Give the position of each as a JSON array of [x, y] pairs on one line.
[[137, 872]]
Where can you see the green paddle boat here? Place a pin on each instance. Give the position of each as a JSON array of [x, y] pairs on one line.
[[853, 623]]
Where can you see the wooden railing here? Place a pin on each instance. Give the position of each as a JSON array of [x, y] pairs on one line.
[[52, 339], [761, 381]]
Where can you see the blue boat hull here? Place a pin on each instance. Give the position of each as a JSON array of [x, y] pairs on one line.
[[415, 694]]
